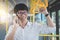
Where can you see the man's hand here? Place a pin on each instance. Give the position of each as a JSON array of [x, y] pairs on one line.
[[12, 33], [15, 21], [43, 10], [49, 20]]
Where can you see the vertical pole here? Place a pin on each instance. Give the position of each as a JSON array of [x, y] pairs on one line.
[[33, 17], [57, 25], [7, 15], [51, 14]]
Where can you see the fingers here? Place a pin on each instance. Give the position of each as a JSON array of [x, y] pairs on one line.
[[15, 20], [42, 9]]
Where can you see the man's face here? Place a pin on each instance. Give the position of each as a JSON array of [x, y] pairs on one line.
[[22, 14]]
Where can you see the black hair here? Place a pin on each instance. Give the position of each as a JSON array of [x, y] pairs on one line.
[[20, 6]]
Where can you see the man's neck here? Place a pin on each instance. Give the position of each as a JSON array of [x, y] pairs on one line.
[[22, 23]]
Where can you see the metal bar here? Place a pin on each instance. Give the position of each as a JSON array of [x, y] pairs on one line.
[[49, 35], [51, 14], [14, 2], [57, 25], [7, 14], [46, 2]]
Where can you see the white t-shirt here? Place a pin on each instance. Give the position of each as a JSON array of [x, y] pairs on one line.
[[31, 31]]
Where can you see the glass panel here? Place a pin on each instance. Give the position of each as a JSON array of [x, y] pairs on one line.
[[40, 18], [54, 17], [59, 23], [54, 20]]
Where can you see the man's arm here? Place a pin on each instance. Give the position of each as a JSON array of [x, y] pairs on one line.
[[11, 34], [12, 30], [49, 20]]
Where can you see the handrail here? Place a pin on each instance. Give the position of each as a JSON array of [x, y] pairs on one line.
[[37, 4], [48, 35]]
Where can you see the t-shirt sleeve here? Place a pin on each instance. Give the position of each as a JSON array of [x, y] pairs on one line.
[[52, 29], [45, 29], [9, 31]]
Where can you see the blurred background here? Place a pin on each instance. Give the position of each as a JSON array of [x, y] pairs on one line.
[[7, 15]]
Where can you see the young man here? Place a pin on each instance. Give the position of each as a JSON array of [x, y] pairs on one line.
[[22, 29]]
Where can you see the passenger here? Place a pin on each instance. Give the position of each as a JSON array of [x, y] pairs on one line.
[[22, 29]]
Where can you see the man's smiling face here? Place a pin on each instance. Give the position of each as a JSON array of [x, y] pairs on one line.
[[22, 14]]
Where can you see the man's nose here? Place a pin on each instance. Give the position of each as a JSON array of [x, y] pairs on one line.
[[22, 14]]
